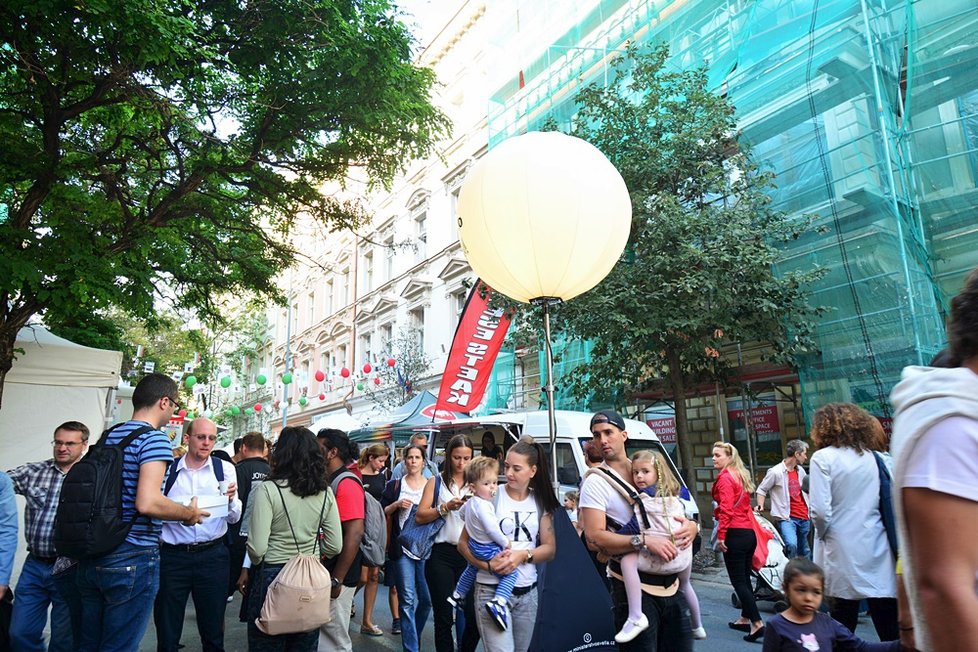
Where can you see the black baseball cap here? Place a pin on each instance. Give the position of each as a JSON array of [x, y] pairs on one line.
[[608, 416]]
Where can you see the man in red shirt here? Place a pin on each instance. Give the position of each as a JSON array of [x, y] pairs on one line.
[[789, 504], [344, 567]]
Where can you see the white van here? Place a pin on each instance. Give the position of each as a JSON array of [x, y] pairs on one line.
[[573, 430]]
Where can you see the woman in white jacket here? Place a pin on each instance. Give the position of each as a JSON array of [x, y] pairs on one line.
[[850, 540]]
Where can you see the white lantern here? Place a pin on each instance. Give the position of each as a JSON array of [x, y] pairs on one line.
[[543, 215]]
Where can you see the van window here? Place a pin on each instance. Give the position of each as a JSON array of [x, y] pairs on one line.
[[567, 471]]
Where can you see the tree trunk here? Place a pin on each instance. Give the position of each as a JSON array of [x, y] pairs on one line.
[[678, 385], [8, 339]]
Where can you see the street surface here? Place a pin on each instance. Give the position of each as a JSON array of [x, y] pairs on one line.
[[711, 586]]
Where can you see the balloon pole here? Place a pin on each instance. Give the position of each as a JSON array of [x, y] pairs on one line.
[[545, 303]]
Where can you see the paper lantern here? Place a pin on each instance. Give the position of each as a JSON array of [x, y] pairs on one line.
[[183, 413], [190, 416], [302, 401], [286, 378], [229, 412], [360, 386], [543, 215], [391, 362], [345, 372], [376, 380], [320, 376], [257, 407], [247, 410], [260, 379], [226, 382], [322, 397], [235, 410], [190, 381], [367, 368]]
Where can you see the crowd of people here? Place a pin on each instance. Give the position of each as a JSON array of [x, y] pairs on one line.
[[205, 526]]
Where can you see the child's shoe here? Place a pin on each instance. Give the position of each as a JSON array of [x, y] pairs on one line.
[[699, 633], [631, 629], [455, 600], [499, 611]]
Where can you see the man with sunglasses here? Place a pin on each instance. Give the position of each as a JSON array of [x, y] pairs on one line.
[[117, 590], [40, 485]]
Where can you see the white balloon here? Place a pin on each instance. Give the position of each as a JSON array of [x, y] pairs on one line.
[[543, 214]]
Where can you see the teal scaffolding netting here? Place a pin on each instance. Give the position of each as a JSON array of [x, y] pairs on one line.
[[867, 111]]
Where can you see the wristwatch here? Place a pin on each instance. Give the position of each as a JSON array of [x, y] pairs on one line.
[[334, 582], [638, 542], [529, 556]]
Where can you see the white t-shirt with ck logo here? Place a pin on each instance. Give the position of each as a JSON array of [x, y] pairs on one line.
[[520, 521]]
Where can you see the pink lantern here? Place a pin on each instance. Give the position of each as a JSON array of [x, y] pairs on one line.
[[345, 372], [257, 407], [182, 413], [376, 380], [367, 368], [320, 376], [391, 362], [322, 397]]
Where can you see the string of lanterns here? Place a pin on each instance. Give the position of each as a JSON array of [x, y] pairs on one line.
[[235, 410]]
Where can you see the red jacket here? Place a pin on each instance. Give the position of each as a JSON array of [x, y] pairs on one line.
[[733, 504]]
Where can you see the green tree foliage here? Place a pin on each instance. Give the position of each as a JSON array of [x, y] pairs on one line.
[[160, 150], [699, 269]]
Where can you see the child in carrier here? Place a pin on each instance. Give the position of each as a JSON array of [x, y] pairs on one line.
[[802, 627], [660, 493], [486, 539]]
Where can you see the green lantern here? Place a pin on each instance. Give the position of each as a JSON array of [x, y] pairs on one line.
[[360, 386], [226, 382], [248, 410], [190, 381], [190, 416], [303, 401], [235, 410], [286, 378], [260, 379], [229, 412]]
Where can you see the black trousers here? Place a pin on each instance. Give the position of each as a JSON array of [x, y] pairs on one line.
[[669, 628], [883, 611], [204, 575], [740, 550], [442, 571]]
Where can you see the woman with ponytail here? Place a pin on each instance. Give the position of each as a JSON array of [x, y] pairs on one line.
[[525, 506], [735, 533]]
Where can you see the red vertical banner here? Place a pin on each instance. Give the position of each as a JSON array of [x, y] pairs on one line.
[[478, 338]]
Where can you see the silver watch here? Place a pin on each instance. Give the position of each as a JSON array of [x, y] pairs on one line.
[[638, 542]]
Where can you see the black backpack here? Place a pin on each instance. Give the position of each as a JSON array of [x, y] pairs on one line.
[[89, 521]]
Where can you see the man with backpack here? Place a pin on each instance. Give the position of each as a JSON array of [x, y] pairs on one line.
[[251, 470], [344, 567], [195, 560], [117, 588], [40, 484]]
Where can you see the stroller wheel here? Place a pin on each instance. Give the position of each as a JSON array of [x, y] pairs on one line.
[[780, 606], [735, 600]]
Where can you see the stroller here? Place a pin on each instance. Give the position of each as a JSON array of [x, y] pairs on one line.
[[768, 580]]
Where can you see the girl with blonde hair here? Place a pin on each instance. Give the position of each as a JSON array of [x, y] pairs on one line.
[[735, 533]]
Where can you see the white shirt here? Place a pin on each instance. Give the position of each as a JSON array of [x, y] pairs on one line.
[[414, 495], [452, 529], [481, 523], [520, 522], [597, 493], [200, 482]]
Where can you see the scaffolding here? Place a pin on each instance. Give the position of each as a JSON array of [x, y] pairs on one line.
[[866, 110]]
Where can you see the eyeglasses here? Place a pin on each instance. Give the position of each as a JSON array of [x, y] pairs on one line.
[[66, 444], [173, 401]]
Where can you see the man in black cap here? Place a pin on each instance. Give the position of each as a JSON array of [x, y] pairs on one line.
[[603, 510]]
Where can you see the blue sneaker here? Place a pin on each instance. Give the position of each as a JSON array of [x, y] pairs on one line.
[[499, 612], [455, 600]]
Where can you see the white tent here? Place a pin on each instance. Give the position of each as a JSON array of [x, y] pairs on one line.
[[53, 381]]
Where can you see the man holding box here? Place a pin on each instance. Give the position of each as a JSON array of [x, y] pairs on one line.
[[195, 559]]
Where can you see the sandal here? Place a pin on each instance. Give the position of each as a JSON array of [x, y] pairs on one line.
[[371, 630]]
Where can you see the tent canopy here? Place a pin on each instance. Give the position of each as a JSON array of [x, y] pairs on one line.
[[52, 360], [406, 420]]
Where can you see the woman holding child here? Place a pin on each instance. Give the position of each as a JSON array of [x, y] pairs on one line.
[[528, 499]]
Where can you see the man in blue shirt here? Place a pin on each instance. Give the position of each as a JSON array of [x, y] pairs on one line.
[[117, 590], [429, 471], [8, 532]]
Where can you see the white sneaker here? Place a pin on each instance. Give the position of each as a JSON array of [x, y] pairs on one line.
[[631, 629], [699, 633]]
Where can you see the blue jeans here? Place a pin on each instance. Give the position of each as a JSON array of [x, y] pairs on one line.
[[414, 601], [794, 531], [35, 592], [117, 593]]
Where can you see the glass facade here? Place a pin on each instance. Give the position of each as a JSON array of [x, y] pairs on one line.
[[867, 111]]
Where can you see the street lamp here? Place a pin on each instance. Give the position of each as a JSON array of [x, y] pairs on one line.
[[542, 218]]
